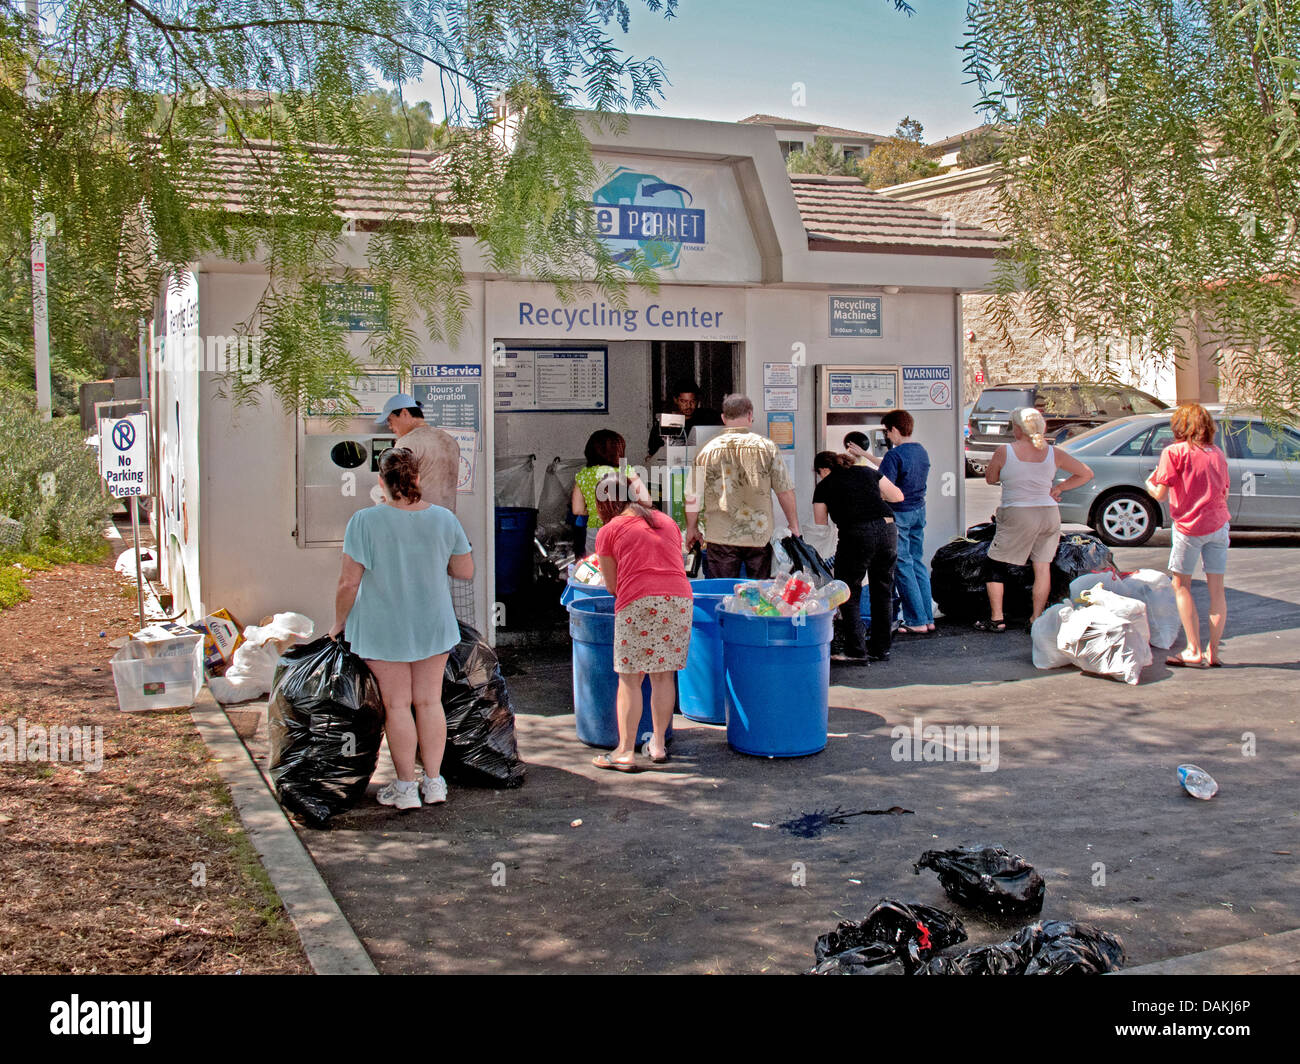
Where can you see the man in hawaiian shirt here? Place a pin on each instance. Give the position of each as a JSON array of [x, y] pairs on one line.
[[731, 488]]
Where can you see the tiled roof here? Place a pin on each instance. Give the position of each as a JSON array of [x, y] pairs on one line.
[[812, 127], [389, 186], [956, 139], [842, 214]]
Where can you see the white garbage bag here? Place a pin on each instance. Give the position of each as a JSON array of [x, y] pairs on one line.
[[252, 672], [1098, 641], [1109, 580], [1157, 591], [1044, 631], [1126, 608]]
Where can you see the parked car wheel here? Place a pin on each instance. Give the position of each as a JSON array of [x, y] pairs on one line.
[[1125, 519]]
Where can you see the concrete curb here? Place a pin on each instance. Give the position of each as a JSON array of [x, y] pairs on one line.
[[331, 945], [1270, 955]]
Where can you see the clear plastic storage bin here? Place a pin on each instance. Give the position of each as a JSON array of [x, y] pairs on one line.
[[169, 677]]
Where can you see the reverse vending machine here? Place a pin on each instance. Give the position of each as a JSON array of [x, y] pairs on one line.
[[852, 399]]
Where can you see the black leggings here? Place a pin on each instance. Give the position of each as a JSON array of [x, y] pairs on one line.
[[867, 550]]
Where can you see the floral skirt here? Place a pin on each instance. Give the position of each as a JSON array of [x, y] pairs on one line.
[[653, 634]]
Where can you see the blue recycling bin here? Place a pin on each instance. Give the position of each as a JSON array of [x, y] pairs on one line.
[[699, 686], [574, 590], [515, 528], [777, 676], [595, 683]]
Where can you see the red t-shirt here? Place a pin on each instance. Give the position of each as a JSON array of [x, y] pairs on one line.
[[1198, 487], [649, 560]]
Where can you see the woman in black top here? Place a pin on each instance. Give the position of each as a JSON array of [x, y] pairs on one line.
[[857, 499]]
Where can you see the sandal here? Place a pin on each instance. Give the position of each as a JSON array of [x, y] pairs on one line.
[[904, 629], [1180, 662], [999, 625], [607, 762]]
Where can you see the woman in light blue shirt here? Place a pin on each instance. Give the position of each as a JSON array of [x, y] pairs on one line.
[[394, 606]]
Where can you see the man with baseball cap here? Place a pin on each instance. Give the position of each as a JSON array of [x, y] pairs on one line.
[[435, 450]]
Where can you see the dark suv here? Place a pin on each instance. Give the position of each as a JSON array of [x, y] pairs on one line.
[[1068, 409]]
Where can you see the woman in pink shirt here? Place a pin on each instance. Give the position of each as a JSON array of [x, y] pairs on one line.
[[641, 560], [1193, 473]]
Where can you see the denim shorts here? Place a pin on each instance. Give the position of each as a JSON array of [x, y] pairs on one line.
[[1211, 549]]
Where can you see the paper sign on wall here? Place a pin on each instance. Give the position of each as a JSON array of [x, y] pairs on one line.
[[780, 430], [780, 375], [780, 398], [467, 441]]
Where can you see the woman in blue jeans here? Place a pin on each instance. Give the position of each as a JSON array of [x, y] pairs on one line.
[[907, 465]]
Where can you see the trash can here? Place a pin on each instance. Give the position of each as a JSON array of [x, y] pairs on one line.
[[777, 676], [515, 528], [699, 685], [575, 590], [595, 683]]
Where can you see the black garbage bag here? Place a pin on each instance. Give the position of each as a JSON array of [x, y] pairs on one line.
[[804, 556], [958, 573], [1079, 553], [481, 746], [983, 532], [897, 924], [1048, 947], [326, 721], [1061, 948], [986, 877], [875, 958], [896, 938]]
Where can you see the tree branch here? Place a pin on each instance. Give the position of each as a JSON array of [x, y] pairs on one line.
[[278, 23]]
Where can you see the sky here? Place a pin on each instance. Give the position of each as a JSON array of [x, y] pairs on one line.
[[863, 65]]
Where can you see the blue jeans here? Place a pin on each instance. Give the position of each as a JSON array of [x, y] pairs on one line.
[[911, 576]]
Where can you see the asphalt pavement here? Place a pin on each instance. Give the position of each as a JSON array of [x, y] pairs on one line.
[[719, 863]]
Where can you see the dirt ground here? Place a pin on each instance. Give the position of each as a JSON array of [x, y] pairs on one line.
[[703, 867], [140, 867]]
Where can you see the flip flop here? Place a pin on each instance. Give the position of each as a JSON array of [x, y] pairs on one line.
[[606, 762], [991, 626], [1180, 662], [659, 760], [905, 630]]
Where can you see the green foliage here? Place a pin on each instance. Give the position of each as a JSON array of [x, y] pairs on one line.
[[16, 566], [979, 150], [127, 144], [49, 479], [1153, 173], [821, 158], [903, 157]]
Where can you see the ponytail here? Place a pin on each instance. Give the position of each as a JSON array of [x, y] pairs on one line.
[[399, 468]]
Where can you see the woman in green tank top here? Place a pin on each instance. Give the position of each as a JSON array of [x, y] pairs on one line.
[[605, 453]]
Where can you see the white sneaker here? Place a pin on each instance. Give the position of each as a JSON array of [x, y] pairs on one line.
[[432, 790], [401, 797]]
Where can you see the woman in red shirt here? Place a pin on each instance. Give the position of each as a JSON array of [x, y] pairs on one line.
[[641, 560], [1193, 473]]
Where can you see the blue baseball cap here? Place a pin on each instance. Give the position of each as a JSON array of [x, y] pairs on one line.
[[396, 403]]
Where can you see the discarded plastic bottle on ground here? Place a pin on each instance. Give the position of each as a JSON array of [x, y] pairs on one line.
[[1197, 782]]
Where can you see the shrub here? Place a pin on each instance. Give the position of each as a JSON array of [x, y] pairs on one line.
[[49, 479]]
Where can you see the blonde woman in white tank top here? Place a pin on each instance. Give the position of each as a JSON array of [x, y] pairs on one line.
[[1029, 520]]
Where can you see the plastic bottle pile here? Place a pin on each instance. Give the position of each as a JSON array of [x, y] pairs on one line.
[[787, 595], [587, 572]]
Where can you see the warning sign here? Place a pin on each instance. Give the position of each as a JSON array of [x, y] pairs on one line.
[[124, 455], [927, 387]]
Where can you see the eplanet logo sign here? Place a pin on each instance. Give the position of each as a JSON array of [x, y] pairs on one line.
[[642, 212]]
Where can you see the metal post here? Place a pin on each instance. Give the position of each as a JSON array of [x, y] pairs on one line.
[[40, 229], [135, 535]]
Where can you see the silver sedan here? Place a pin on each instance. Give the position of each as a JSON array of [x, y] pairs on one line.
[[1263, 465]]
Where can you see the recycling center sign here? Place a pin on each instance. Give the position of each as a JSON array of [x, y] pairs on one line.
[[124, 455]]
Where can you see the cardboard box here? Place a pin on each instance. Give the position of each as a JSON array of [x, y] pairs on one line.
[[221, 637]]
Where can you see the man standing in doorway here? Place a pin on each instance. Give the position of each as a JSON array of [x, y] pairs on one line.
[[435, 450], [732, 483], [686, 401]]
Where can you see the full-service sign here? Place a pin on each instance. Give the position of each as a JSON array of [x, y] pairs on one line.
[[124, 455], [641, 212]]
